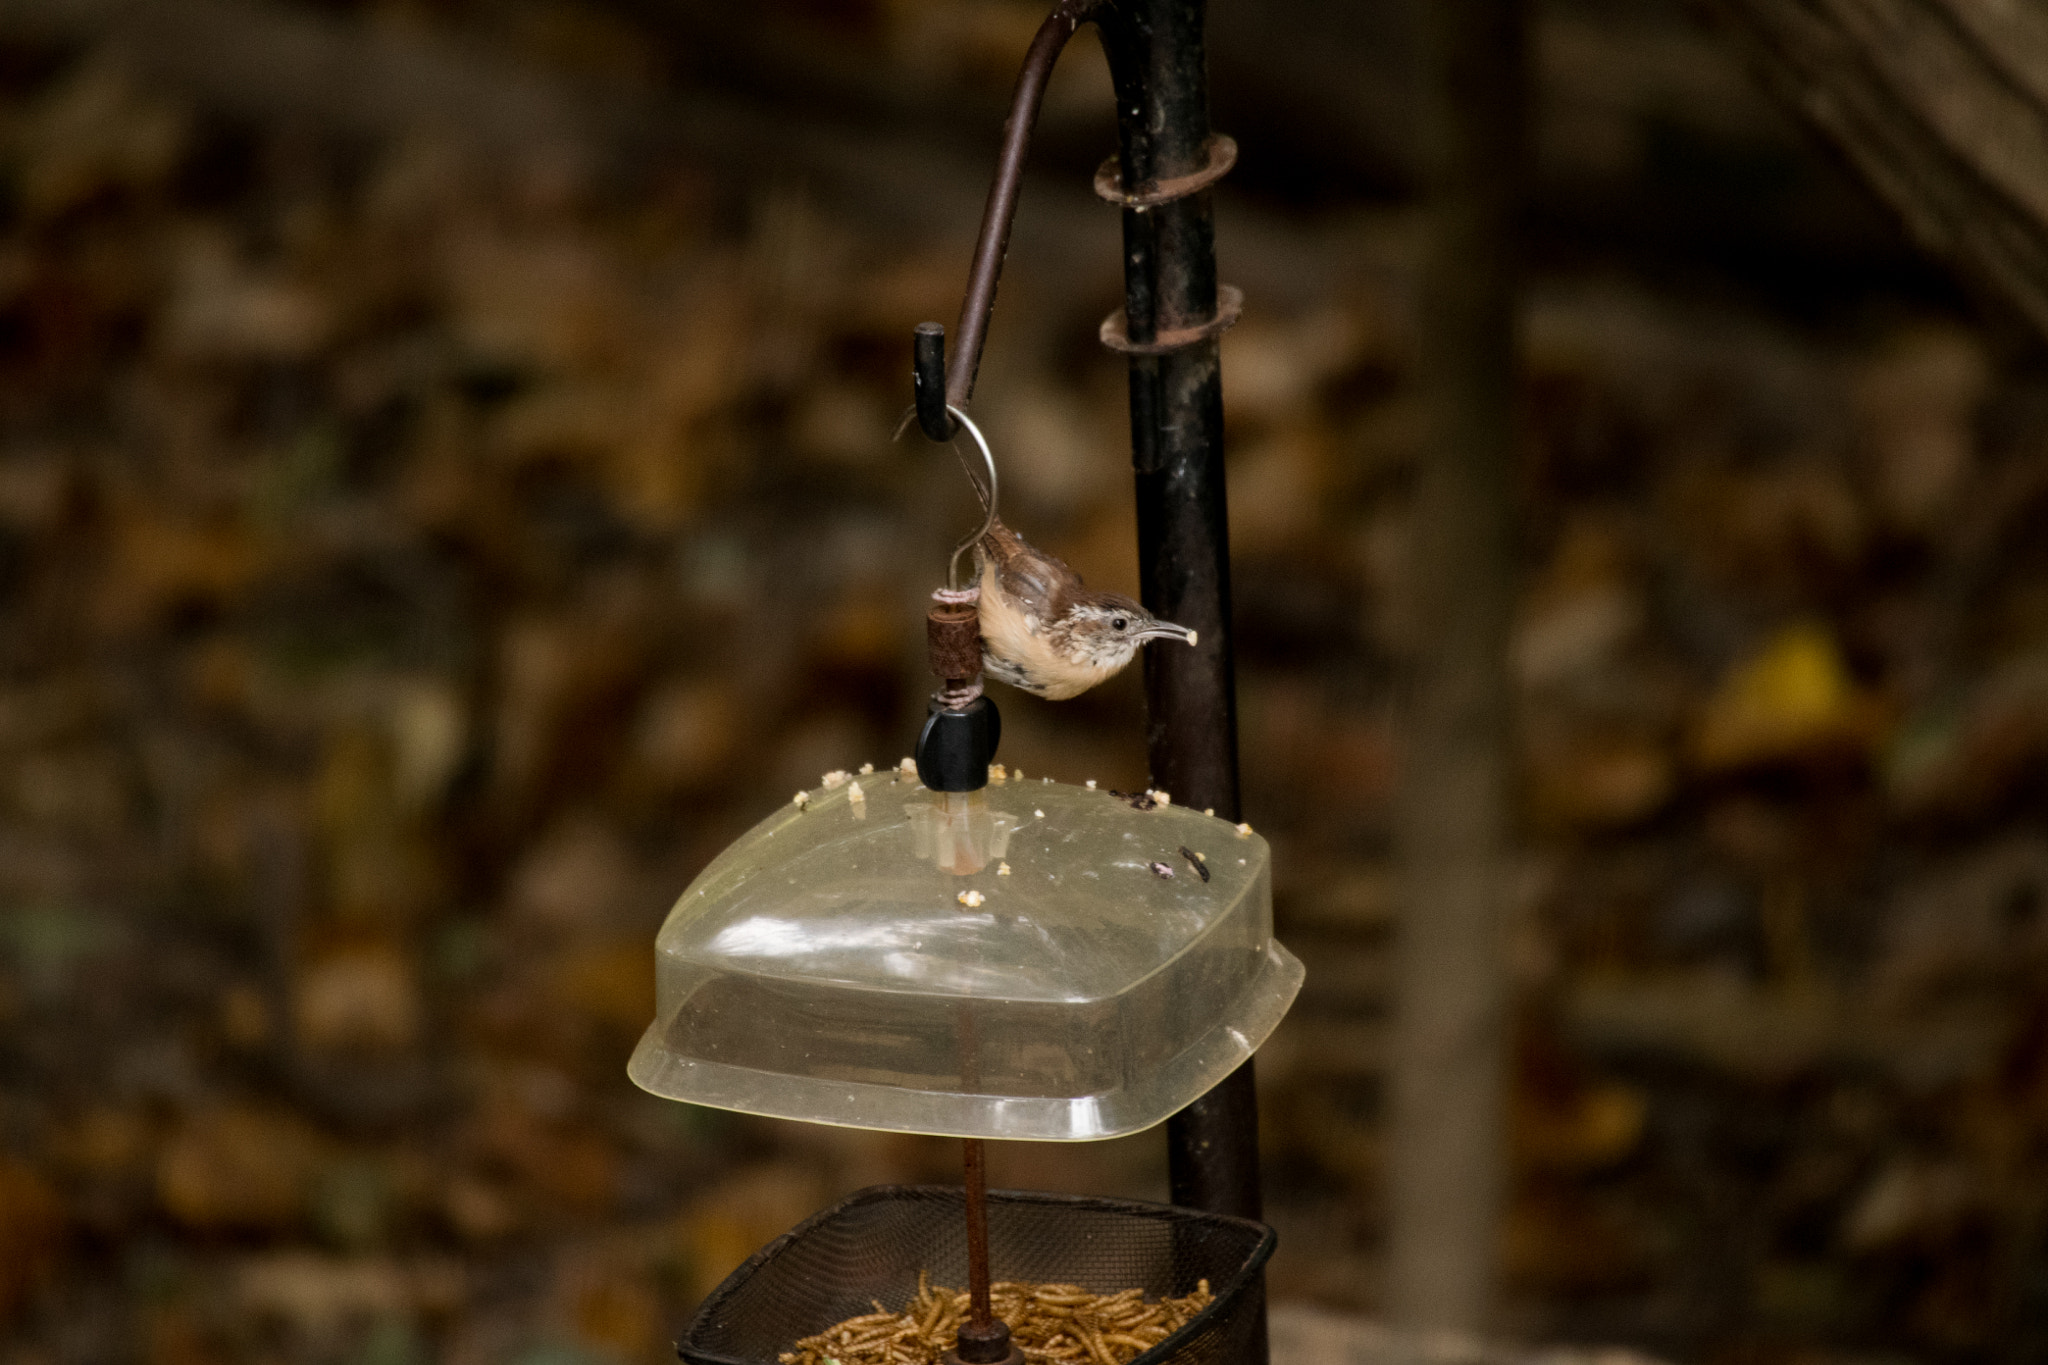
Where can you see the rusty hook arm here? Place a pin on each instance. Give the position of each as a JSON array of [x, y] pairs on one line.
[[1052, 37], [954, 378]]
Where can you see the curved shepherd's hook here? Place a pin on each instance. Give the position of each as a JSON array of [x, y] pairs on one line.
[[942, 385]]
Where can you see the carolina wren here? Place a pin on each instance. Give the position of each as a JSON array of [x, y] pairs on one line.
[[1046, 632]]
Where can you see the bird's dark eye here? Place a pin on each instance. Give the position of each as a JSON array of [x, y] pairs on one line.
[[1117, 623]]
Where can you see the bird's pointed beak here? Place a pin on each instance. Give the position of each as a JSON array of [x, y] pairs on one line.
[[1167, 630]]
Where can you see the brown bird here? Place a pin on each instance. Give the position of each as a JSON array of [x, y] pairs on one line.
[[1045, 631]]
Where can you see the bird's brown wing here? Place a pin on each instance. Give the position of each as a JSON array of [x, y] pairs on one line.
[[1040, 584]]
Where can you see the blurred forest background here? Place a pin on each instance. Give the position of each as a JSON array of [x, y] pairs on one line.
[[446, 493]]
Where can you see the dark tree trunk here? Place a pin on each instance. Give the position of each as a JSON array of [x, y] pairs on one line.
[[1448, 1077]]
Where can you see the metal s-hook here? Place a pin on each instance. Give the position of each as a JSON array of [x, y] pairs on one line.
[[987, 522], [987, 493]]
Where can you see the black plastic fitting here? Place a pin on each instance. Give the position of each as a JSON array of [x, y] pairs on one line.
[[955, 747], [928, 381], [989, 1347]]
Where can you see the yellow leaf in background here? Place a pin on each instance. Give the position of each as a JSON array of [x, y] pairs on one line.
[[1796, 697], [365, 998], [93, 133], [611, 982], [620, 1315], [105, 1142], [1588, 1130], [1598, 781], [739, 1215], [161, 562], [238, 1167]]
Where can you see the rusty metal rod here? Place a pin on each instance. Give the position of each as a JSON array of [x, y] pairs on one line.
[[982, 1338], [979, 1314], [1001, 210]]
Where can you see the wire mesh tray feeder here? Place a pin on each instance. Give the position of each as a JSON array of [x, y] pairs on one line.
[[872, 1245]]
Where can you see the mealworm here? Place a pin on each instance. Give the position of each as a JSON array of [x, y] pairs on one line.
[[1052, 1324]]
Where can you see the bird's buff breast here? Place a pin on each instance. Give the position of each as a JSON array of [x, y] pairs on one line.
[[1032, 663]]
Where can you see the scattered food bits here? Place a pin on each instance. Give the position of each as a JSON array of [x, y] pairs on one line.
[[1209, 811], [803, 800], [1002, 869], [1039, 813], [1018, 774], [1163, 798], [855, 795], [1194, 638], [1244, 831], [836, 779], [1161, 870], [867, 769], [907, 766], [998, 774], [970, 899], [1196, 861], [1091, 784]]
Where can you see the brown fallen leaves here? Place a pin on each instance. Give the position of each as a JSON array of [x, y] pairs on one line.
[[238, 1167], [31, 1226], [1049, 1323]]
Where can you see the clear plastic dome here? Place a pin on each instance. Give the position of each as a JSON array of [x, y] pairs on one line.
[[1087, 982]]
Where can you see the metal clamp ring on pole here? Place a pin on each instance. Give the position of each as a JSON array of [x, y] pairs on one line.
[[1109, 178], [1116, 332]]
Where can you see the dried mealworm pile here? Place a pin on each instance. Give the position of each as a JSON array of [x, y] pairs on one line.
[[1050, 1323]]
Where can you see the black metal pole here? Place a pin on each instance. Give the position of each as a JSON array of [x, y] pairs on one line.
[[1159, 67], [1157, 62]]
